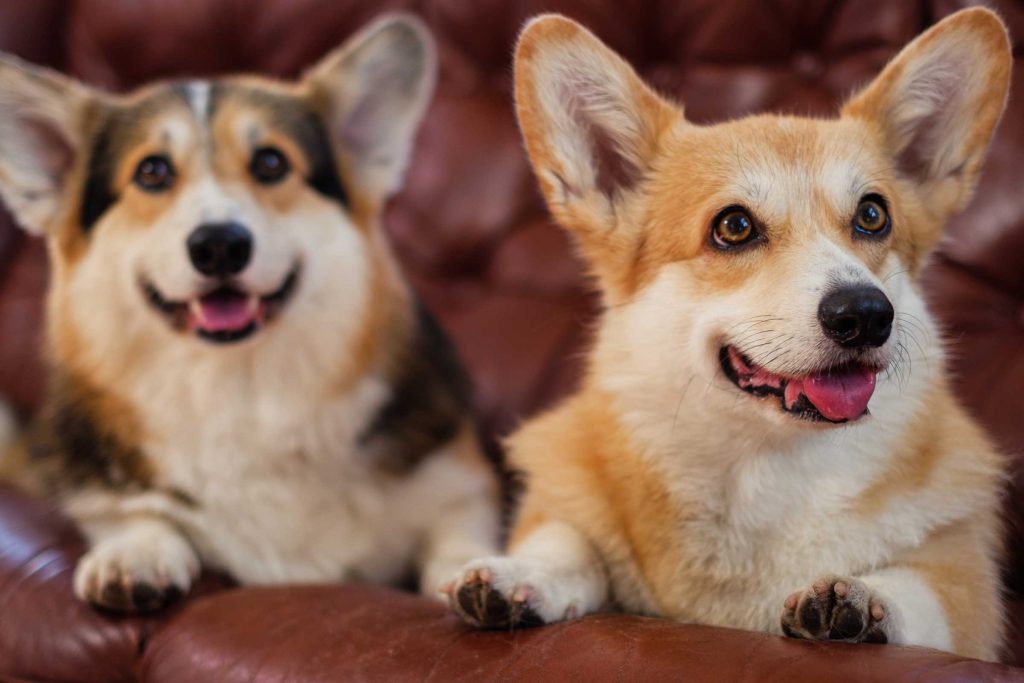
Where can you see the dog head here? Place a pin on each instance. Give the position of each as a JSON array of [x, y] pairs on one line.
[[202, 212], [773, 256]]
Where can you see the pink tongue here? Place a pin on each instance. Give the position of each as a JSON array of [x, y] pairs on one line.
[[842, 396], [220, 314]]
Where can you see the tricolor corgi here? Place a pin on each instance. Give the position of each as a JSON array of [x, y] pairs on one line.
[[240, 376], [765, 437]]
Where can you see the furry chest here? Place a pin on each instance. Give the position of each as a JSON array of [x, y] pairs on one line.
[[282, 502], [714, 571]]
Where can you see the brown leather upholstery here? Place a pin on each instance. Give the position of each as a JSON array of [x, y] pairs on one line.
[[473, 234]]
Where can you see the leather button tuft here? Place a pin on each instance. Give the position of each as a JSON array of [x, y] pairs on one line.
[[808, 65]]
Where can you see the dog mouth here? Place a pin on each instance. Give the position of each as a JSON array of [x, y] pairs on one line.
[[227, 313], [837, 394]]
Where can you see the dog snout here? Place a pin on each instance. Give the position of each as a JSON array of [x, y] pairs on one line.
[[856, 317], [220, 249]]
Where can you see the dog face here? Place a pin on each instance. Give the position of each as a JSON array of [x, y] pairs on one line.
[[769, 256], [201, 212]]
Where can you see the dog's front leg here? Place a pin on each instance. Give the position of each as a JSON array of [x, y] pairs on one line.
[[467, 529], [551, 573], [944, 594], [136, 563]]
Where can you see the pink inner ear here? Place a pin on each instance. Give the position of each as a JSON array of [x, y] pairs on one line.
[[53, 151], [925, 134], [357, 131], [612, 171], [388, 88]]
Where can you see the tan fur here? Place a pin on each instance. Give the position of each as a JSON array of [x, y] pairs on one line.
[[327, 436], [704, 504]]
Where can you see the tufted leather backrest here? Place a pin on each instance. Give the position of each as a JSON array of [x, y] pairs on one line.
[[470, 227]]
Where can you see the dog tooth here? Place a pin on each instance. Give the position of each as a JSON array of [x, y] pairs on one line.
[[196, 309]]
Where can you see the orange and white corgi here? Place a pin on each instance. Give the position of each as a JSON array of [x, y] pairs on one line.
[[240, 376], [765, 437]]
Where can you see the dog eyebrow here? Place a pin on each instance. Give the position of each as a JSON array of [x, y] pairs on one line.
[[305, 126], [116, 130]]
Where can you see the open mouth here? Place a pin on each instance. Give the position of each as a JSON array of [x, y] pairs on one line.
[[226, 313], [838, 394]]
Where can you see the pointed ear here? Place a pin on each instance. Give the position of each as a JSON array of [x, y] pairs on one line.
[[377, 87], [591, 126], [938, 101], [42, 129]]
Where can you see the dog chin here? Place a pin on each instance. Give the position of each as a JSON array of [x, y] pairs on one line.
[[225, 312], [833, 395]]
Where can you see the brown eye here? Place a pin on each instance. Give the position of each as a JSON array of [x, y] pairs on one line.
[[269, 165], [155, 173], [732, 228], [871, 217]]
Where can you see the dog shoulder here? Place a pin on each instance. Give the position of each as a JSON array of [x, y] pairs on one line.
[[582, 467], [86, 436], [429, 402], [943, 455]]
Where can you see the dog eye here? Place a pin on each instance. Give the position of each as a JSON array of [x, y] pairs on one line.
[[269, 165], [732, 227], [155, 173], [871, 218]]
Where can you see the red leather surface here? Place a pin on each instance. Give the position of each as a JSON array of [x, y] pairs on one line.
[[361, 633], [473, 235]]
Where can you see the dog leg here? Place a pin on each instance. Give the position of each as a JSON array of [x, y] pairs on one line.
[[135, 564], [551, 574], [944, 595], [468, 529]]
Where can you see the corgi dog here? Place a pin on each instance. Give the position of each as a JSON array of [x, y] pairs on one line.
[[240, 377], [765, 437]]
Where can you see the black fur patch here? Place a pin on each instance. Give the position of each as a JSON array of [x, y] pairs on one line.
[[74, 448], [98, 195], [119, 128], [430, 402], [305, 126]]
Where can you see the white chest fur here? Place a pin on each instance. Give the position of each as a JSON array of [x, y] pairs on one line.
[[272, 464]]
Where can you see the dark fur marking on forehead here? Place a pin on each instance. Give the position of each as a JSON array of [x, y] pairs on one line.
[[297, 120], [429, 404]]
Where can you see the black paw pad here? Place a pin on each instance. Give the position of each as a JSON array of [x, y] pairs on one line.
[[135, 598], [847, 623], [488, 608], [814, 615], [876, 635]]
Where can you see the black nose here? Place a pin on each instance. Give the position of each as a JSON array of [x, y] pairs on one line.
[[220, 249], [856, 317]]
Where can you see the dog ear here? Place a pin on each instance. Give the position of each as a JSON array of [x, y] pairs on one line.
[[591, 125], [377, 87], [936, 104], [42, 123]]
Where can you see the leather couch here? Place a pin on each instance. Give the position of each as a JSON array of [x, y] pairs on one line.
[[474, 237]]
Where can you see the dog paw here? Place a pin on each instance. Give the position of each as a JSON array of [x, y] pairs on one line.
[[836, 608], [136, 574], [505, 592]]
